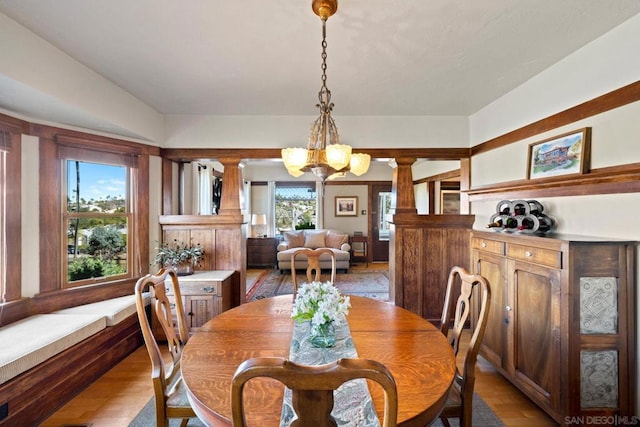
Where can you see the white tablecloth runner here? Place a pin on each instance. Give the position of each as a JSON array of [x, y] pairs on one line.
[[353, 405]]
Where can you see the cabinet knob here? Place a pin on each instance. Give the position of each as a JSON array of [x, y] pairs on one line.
[[208, 289], [528, 254], [508, 308], [483, 244]]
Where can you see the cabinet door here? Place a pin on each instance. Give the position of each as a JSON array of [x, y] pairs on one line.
[[493, 268], [199, 310], [533, 356]]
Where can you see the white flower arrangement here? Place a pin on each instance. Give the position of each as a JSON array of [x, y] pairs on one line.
[[321, 303]]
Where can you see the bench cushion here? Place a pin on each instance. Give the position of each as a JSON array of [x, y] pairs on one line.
[[115, 309], [30, 341]]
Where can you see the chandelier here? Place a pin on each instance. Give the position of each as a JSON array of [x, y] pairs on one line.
[[324, 156]]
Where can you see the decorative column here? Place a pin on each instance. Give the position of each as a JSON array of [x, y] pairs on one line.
[[222, 236], [422, 249], [402, 196], [231, 187]]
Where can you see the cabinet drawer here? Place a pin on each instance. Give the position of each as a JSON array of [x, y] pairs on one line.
[[547, 257], [208, 288], [488, 245]]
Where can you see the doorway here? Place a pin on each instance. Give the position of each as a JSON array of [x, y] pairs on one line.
[[380, 198]]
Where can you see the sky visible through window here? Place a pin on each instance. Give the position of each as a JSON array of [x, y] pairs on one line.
[[97, 181]]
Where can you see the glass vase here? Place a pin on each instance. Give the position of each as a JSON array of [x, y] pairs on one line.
[[184, 268], [323, 336]]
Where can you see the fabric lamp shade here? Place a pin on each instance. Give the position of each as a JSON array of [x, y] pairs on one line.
[[258, 219]]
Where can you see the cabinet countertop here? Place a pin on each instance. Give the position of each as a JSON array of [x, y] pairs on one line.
[[214, 275]]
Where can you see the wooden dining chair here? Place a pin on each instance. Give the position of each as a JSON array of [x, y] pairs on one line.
[[460, 400], [168, 387], [312, 387], [313, 265]]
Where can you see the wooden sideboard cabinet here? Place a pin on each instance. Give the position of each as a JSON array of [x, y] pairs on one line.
[[562, 320], [262, 252], [205, 294]]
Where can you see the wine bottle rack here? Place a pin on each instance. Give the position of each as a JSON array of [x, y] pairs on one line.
[[523, 216]]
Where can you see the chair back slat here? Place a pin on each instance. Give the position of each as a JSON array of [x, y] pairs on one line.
[[313, 272], [165, 373], [312, 387], [472, 287]]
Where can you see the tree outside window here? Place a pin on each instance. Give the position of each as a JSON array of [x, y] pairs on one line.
[[295, 206], [97, 218]]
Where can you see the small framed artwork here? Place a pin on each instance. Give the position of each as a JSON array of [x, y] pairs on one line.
[[346, 206], [566, 154], [450, 202]]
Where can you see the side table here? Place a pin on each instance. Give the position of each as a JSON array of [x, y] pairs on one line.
[[261, 251], [359, 249]]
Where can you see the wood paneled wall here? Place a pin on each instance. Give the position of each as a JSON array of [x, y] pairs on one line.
[[422, 251]]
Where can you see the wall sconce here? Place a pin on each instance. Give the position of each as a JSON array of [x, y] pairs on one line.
[[258, 223]]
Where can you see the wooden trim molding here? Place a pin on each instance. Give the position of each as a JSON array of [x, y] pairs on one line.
[[191, 154], [615, 179], [614, 99]]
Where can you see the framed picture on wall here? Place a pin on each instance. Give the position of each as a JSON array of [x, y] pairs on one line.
[[346, 206], [566, 154]]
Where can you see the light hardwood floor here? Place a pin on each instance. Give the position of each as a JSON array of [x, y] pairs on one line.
[[116, 398]]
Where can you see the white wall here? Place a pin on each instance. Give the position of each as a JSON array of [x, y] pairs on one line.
[[608, 63], [31, 67], [292, 131], [155, 205], [30, 193], [348, 224]]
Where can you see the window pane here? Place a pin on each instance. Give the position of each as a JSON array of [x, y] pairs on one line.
[[96, 247], [97, 221], [384, 207], [93, 187], [295, 206]]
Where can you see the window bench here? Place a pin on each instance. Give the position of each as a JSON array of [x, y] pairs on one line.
[[46, 359]]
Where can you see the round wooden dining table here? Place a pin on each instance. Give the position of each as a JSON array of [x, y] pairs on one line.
[[418, 355]]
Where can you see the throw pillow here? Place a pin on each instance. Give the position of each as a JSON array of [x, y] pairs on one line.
[[314, 239], [336, 240], [294, 239]]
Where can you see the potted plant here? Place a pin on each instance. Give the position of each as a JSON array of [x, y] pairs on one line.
[[179, 255]]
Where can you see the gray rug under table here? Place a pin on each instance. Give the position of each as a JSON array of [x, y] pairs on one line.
[[483, 416]]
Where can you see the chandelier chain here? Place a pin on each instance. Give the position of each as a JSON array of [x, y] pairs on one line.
[[324, 156], [325, 94]]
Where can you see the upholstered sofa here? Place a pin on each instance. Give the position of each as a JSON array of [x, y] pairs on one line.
[[337, 241]]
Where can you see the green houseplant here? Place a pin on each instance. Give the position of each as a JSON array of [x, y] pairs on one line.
[[179, 255]]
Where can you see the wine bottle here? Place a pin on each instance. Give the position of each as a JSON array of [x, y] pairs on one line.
[[546, 223], [535, 207], [528, 223], [495, 224], [511, 223], [520, 207]]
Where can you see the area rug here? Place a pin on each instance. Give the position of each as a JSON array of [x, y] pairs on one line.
[[365, 283], [483, 416]]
